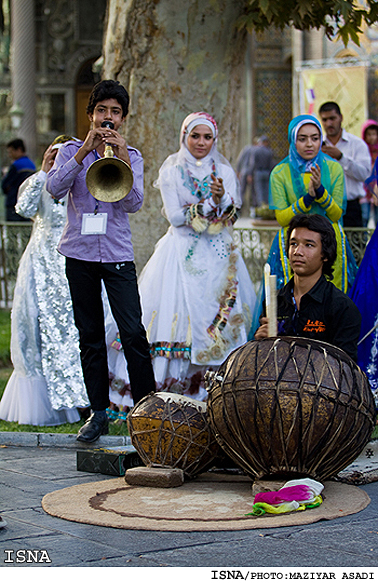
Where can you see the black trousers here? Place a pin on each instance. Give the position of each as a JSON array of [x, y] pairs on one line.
[[353, 214], [84, 278]]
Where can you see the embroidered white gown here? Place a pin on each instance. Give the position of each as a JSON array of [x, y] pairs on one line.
[[196, 293], [46, 386]]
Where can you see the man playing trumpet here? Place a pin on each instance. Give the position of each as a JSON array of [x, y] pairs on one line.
[[310, 305], [96, 242]]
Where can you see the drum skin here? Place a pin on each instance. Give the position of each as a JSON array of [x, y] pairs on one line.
[[290, 407], [172, 431]]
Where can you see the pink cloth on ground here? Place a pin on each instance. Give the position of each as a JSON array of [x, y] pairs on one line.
[[299, 493]]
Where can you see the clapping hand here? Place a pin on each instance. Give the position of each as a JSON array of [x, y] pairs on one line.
[[315, 181], [216, 189]]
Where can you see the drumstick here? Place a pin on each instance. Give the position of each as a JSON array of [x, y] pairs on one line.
[[270, 300]]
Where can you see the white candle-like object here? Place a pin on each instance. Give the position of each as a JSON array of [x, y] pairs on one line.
[[273, 305]]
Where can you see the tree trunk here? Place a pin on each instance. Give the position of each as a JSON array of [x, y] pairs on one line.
[[173, 58]]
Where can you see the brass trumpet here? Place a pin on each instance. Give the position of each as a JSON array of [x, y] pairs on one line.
[[109, 179]]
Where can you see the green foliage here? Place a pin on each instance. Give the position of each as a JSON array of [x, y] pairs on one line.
[[5, 373], [5, 328], [264, 212], [338, 17]]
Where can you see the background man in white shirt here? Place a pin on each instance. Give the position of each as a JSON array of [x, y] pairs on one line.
[[353, 155]]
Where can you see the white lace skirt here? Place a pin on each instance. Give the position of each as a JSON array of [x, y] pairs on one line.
[[25, 400]]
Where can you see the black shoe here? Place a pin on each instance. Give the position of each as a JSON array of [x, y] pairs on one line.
[[96, 426]]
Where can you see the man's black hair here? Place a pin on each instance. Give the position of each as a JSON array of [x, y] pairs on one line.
[[109, 90], [323, 226], [329, 106], [16, 144]]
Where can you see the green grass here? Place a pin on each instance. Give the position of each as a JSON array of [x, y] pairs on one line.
[[115, 428], [5, 328], [5, 373]]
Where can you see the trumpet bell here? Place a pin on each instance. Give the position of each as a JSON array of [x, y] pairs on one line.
[[109, 179]]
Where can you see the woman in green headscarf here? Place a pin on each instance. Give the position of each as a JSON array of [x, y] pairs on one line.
[[308, 181]]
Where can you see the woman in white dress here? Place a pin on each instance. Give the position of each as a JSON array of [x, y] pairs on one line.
[[196, 293], [46, 386]]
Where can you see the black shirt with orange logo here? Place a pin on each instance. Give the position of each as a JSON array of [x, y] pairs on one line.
[[325, 314]]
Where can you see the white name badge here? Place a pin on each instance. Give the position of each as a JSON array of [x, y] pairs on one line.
[[94, 224]]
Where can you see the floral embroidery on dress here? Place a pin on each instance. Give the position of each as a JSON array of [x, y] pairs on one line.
[[371, 370], [227, 300], [198, 188], [189, 267], [167, 349], [171, 350]]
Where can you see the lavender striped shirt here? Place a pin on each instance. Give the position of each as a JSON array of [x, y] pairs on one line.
[[68, 175]]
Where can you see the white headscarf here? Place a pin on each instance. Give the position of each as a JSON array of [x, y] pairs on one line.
[[196, 119], [183, 158]]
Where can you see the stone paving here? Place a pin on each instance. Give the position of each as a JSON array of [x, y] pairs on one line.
[[31, 466]]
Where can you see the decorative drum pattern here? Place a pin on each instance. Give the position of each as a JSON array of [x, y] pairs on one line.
[[290, 406], [171, 430]]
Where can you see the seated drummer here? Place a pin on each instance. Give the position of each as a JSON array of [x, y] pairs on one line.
[[309, 305]]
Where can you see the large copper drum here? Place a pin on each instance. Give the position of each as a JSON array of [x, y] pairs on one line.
[[291, 407], [172, 431]]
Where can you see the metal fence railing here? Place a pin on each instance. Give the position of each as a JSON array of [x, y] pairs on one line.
[[13, 239], [254, 243]]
